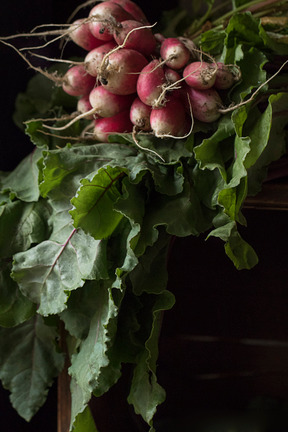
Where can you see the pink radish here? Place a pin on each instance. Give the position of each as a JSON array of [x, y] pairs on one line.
[[104, 17], [200, 75], [172, 76], [141, 40], [170, 120], [150, 82], [140, 114], [107, 104], [120, 71], [120, 123], [81, 35], [133, 9], [226, 76], [94, 58], [77, 82], [174, 53], [83, 105], [205, 104]]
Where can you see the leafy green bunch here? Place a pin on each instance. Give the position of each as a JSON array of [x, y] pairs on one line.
[[85, 227]]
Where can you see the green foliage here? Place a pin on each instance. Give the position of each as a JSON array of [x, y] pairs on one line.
[[85, 228]]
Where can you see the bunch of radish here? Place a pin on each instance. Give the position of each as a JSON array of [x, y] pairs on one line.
[[134, 80]]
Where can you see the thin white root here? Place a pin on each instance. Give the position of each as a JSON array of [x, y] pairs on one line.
[[232, 108], [53, 77], [59, 60], [64, 137], [183, 136], [40, 34], [64, 117], [79, 7], [134, 132], [61, 35], [75, 119], [87, 129]]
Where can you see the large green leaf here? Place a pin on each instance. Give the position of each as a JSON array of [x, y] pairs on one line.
[[15, 308], [146, 393], [91, 369], [47, 272], [85, 422], [22, 182], [21, 225], [94, 203], [29, 362]]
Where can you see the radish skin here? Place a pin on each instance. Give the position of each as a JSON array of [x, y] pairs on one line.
[[226, 76], [141, 40], [107, 104], [140, 114], [205, 104], [120, 72], [81, 35], [120, 123], [83, 105], [94, 58], [200, 75], [170, 119], [174, 53], [77, 82], [104, 18], [150, 82], [133, 9]]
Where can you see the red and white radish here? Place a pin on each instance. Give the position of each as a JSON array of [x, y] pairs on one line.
[[200, 75], [136, 36], [104, 18], [107, 104], [205, 104], [172, 76], [133, 9], [93, 59], [120, 123], [83, 106], [140, 114], [81, 35], [174, 53], [77, 82], [226, 76], [120, 71], [170, 120], [150, 82]]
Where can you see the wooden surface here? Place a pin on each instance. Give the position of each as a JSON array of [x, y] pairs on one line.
[[274, 196]]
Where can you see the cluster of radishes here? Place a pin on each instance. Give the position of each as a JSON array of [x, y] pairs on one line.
[[133, 79]]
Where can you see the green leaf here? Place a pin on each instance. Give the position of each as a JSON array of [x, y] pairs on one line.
[[80, 310], [47, 272], [29, 361], [84, 422], [94, 203], [145, 393], [23, 180], [276, 145], [212, 41], [213, 151], [40, 97], [21, 225], [238, 250], [91, 368], [15, 308]]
